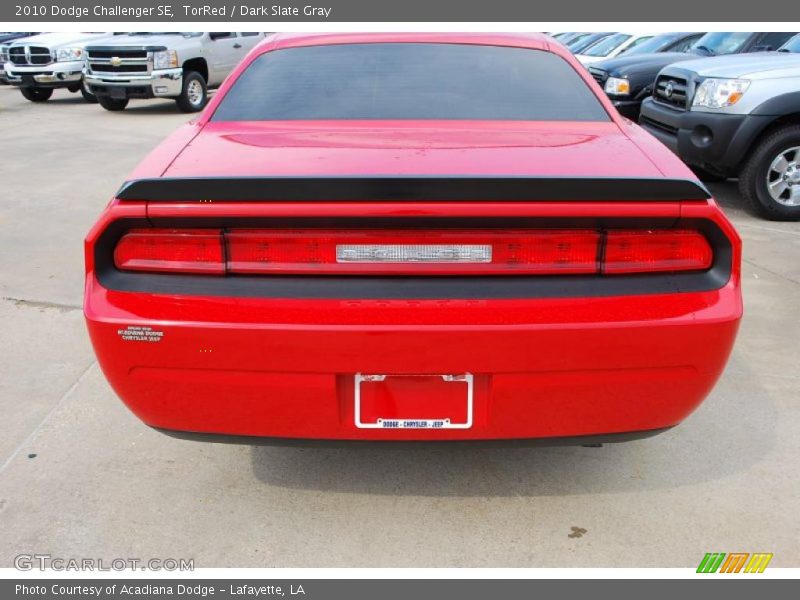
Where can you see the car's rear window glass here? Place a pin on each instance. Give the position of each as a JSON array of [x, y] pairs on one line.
[[410, 81]]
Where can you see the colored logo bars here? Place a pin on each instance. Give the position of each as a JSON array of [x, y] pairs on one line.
[[735, 562]]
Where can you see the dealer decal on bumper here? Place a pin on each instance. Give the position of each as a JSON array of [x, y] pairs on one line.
[[135, 333]]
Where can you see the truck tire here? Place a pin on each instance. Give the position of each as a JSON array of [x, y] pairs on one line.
[[87, 95], [73, 88], [770, 179], [36, 94], [112, 104], [194, 95]]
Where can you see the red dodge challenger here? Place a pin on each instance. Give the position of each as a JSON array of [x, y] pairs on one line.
[[395, 237]]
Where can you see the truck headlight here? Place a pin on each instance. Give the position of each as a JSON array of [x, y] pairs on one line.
[[617, 86], [165, 59], [719, 93], [69, 54]]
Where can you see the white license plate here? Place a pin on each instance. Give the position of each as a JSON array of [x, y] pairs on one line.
[[413, 401]]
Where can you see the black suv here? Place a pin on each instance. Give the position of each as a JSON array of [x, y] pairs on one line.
[[628, 79]]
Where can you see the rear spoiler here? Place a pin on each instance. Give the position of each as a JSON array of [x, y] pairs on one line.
[[412, 188]]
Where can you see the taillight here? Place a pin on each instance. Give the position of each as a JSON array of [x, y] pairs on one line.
[[173, 250], [658, 250], [412, 252]]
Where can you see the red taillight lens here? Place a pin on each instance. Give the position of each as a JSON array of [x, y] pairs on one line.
[[172, 250], [657, 250], [411, 252]]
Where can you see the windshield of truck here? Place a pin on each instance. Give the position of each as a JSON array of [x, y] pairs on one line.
[[721, 43], [793, 45], [606, 46], [653, 44]]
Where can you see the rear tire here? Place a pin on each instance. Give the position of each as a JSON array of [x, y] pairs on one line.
[[74, 88], [770, 179], [194, 95], [87, 95], [112, 104], [36, 94]]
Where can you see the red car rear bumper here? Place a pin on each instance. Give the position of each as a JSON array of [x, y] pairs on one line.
[[543, 368]]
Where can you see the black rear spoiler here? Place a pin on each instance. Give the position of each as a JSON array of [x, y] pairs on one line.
[[411, 188]]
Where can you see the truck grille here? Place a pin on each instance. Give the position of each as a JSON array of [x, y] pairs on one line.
[[29, 55], [598, 75], [671, 91], [123, 68], [118, 60]]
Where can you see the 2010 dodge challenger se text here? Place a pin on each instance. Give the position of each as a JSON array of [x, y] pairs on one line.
[[412, 237]]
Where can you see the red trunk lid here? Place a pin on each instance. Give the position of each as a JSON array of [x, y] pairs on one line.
[[553, 149]]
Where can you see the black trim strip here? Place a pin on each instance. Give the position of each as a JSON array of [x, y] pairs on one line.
[[124, 48], [421, 188], [575, 440], [402, 287]]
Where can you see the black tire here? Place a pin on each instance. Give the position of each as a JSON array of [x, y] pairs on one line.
[[754, 174], [74, 88], [189, 101], [112, 104], [87, 95], [708, 176], [36, 94]]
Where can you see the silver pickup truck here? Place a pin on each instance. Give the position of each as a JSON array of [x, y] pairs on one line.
[[736, 117], [182, 66]]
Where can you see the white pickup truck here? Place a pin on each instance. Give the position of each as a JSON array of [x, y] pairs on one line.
[[182, 66], [39, 64]]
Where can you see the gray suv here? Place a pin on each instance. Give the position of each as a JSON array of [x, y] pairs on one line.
[[736, 116]]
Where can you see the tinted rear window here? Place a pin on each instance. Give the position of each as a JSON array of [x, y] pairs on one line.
[[410, 81]]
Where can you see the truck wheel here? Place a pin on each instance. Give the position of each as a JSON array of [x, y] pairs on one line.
[[194, 95], [770, 179], [87, 95], [36, 94], [74, 88], [113, 104]]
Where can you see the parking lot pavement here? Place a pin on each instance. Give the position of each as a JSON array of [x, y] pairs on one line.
[[81, 477]]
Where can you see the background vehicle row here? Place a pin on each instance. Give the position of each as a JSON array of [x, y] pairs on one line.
[[113, 69], [728, 104], [629, 78]]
